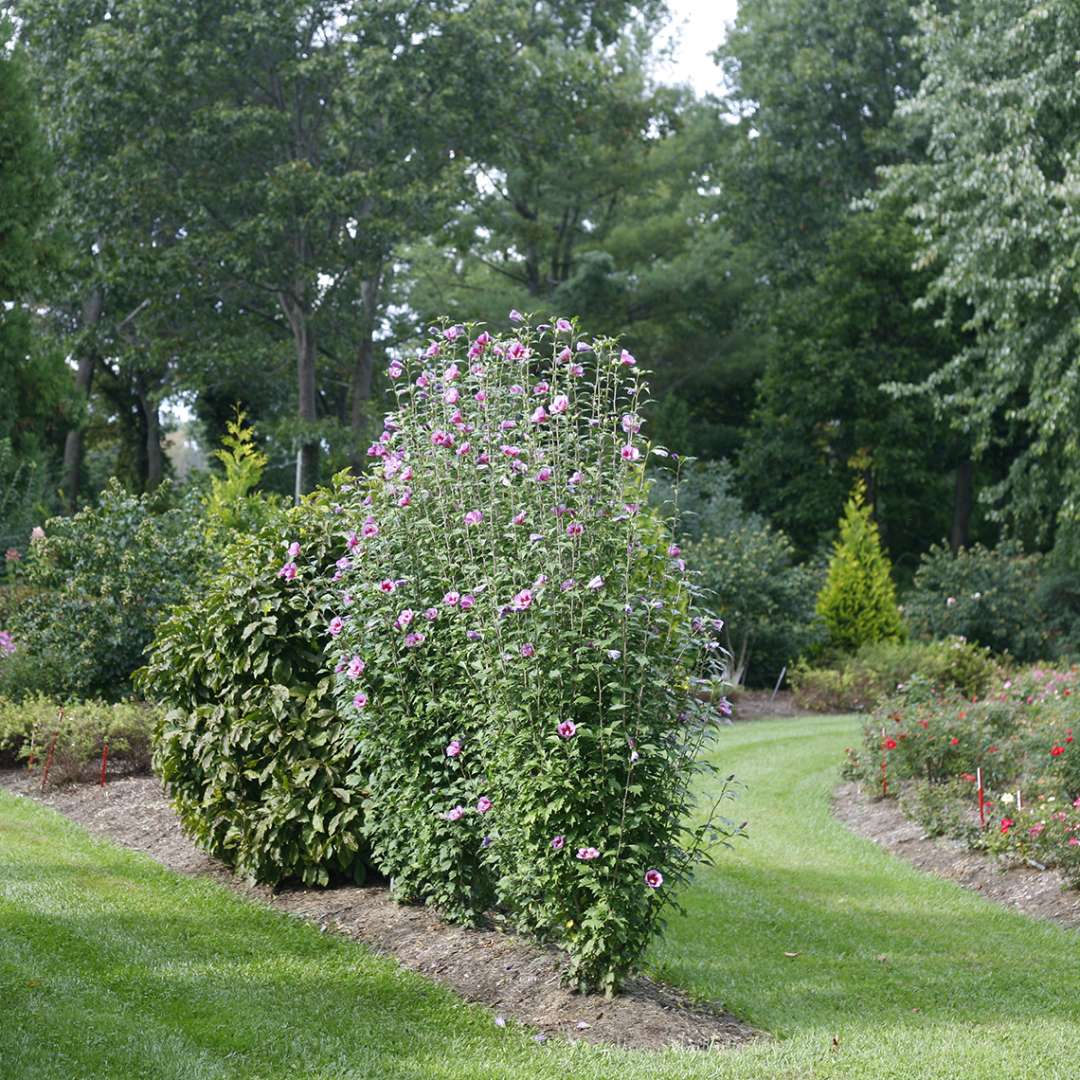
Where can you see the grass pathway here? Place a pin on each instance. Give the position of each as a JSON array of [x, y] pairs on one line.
[[111, 966]]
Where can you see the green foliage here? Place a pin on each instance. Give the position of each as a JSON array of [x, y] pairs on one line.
[[259, 765], [948, 808], [232, 503], [748, 575], [27, 728], [522, 661], [102, 580], [879, 670], [993, 201], [858, 600], [986, 595]]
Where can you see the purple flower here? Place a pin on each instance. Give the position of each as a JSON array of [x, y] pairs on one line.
[[518, 518], [431, 614], [517, 351], [453, 748], [515, 315], [565, 356], [528, 649], [558, 843], [559, 404], [483, 804], [567, 729], [337, 624], [352, 541], [395, 370], [452, 396], [522, 601], [404, 618], [468, 601], [360, 699], [544, 474], [596, 582], [432, 350], [406, 498], [577, 370], [451, 598], [451, 373], [563, 326], [583, 346], [414, 640], [474, 517], [724, 707], [473, 635], [654, 879], [626, 359], [356, 667], [567, 585], [630, 453], [386, 586], [575, 528], [294, 549], [634, 757], [541, 388], [674, 551], [630, 424], [587, 854], [288, 571], [343, 563], [456, 813], [486, 842], [540, 415]]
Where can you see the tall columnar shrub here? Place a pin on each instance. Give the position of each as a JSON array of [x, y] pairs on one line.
[[858, 601], [520, 651], [258, 763]]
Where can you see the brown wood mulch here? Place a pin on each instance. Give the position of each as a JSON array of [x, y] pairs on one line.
[[1039, 893], [515, 978]]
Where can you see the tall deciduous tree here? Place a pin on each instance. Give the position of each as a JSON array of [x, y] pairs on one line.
[[996, 203]]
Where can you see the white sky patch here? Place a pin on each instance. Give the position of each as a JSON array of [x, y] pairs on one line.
[[697, 28]]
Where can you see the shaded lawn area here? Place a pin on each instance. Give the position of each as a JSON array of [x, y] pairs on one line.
[[111, 966]]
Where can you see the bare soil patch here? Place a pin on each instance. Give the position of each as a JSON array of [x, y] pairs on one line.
[[516, 978], [1039, 893]]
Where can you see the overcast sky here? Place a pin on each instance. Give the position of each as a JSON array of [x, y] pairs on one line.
[[701, 25]]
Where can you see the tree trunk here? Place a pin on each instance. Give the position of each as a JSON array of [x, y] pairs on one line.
[[84, 375], [960, 534], [363, 370], [307, 458], [153, 458]]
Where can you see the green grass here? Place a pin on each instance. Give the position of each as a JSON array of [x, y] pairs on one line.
[[112, 967]]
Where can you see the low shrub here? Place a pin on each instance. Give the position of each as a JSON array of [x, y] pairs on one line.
[[258, 763], [877, 671], [986, 595], [27, 728], [102, 579], [857, 603], [947, 809], [522, 659]]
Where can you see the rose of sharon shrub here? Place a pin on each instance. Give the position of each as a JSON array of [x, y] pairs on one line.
[[519, 647], [259, 765]]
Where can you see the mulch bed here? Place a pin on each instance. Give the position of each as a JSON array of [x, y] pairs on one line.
[[514, 977], [1039, 893], [763, 705]]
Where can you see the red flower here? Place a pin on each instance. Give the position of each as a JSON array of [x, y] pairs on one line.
[[969, 777], [1006, 824], [890, 743], [954, 741], [962, 716], [1057, 751], [924, 724], [991, 749]]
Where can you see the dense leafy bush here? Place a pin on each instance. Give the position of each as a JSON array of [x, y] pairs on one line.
[[747, 571], [27, 728], [523, 665], [858, 600], [258, 763], [102, 579], [985, 595], [880, 670]]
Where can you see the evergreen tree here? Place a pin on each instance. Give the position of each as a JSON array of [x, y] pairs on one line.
[[858, 600]]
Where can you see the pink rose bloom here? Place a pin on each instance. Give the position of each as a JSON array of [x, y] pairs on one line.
[[456, 813], [294, 549], [587, 854], [558, 843], [468, 601], [386, 586], [474, 517], [559, 404], [360, 699], [522, 601], [453, 748], [451, 598], [356, 667], [567, 729], [483, 804], [654, 879], [288, 571], [337, 624]]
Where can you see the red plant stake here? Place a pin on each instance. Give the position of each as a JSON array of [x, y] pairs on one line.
[[982, 799], [48, 760], [104, 760]]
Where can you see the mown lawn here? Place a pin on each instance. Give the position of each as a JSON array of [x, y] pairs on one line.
[[113, 967]]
